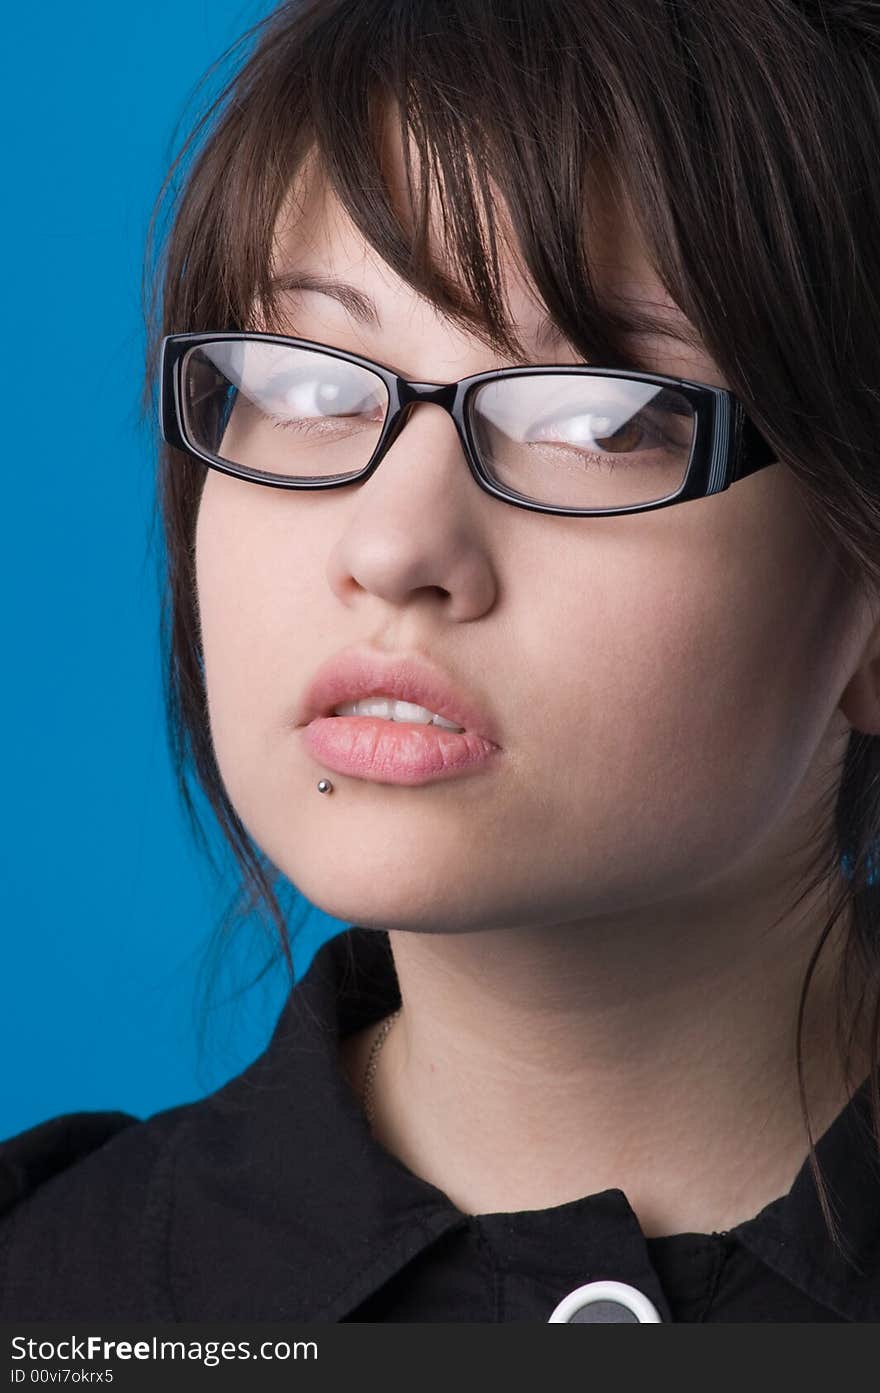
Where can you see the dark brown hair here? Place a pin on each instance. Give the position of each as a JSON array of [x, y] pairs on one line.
[[744, 137]]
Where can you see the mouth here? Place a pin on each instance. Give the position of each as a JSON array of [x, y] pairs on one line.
[[390, 708], [411, 690]]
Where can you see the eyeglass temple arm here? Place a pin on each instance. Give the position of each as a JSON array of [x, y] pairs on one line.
[[754, 452]]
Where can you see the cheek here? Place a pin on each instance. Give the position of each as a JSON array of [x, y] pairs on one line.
[[685, 682], [253, 623]]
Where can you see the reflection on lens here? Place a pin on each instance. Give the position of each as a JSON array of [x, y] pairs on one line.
[[277, 409], [579, 441]]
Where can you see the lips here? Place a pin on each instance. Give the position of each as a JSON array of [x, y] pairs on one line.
[[363, 672]]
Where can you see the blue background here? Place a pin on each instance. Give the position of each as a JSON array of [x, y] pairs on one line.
[[107, 906]]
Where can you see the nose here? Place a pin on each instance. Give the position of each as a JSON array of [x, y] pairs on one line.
[[413, 527]]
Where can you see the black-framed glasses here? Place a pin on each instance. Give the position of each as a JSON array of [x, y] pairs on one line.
[[292, 413]]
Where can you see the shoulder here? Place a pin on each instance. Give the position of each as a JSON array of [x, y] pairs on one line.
[[78, 1203], [31, 1157]]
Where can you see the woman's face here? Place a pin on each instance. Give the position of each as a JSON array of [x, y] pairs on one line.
[[666, 685]]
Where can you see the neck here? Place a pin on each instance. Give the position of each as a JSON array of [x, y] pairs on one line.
[[530, 1067]]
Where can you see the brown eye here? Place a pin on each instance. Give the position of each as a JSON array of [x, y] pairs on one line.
[[626, 437], [598, 430]]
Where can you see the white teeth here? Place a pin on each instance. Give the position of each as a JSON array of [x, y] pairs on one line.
[[393, 710]]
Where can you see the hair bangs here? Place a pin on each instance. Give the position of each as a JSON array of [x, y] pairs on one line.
[[487, 171]]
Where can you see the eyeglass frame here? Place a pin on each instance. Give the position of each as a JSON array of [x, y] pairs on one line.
[[727, 445]]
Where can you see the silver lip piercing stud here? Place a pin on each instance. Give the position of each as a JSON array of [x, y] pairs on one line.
[[325, 786]]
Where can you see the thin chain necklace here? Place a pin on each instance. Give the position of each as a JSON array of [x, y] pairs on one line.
[[367, 1094]]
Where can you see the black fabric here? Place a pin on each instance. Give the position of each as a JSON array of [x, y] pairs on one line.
[[271, 1200], [29, 1159]]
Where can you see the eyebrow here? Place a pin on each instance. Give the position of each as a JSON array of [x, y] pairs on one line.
[[363, 308]]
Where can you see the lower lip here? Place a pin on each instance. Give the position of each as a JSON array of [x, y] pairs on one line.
[[395, 752]]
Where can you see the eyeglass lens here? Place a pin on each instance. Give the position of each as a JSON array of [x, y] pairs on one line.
[[562, 439]]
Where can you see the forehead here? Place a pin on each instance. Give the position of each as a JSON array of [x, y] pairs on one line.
[[314, 232]]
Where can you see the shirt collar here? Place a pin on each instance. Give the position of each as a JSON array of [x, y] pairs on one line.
[[790, 1234], [284, 1206]]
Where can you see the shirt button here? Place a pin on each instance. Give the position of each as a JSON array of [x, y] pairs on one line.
[[605, 1302]]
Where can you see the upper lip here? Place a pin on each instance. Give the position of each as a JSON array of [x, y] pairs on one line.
[[363, 672]]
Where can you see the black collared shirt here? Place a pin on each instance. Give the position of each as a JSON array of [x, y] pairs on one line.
[[271, 1200]]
